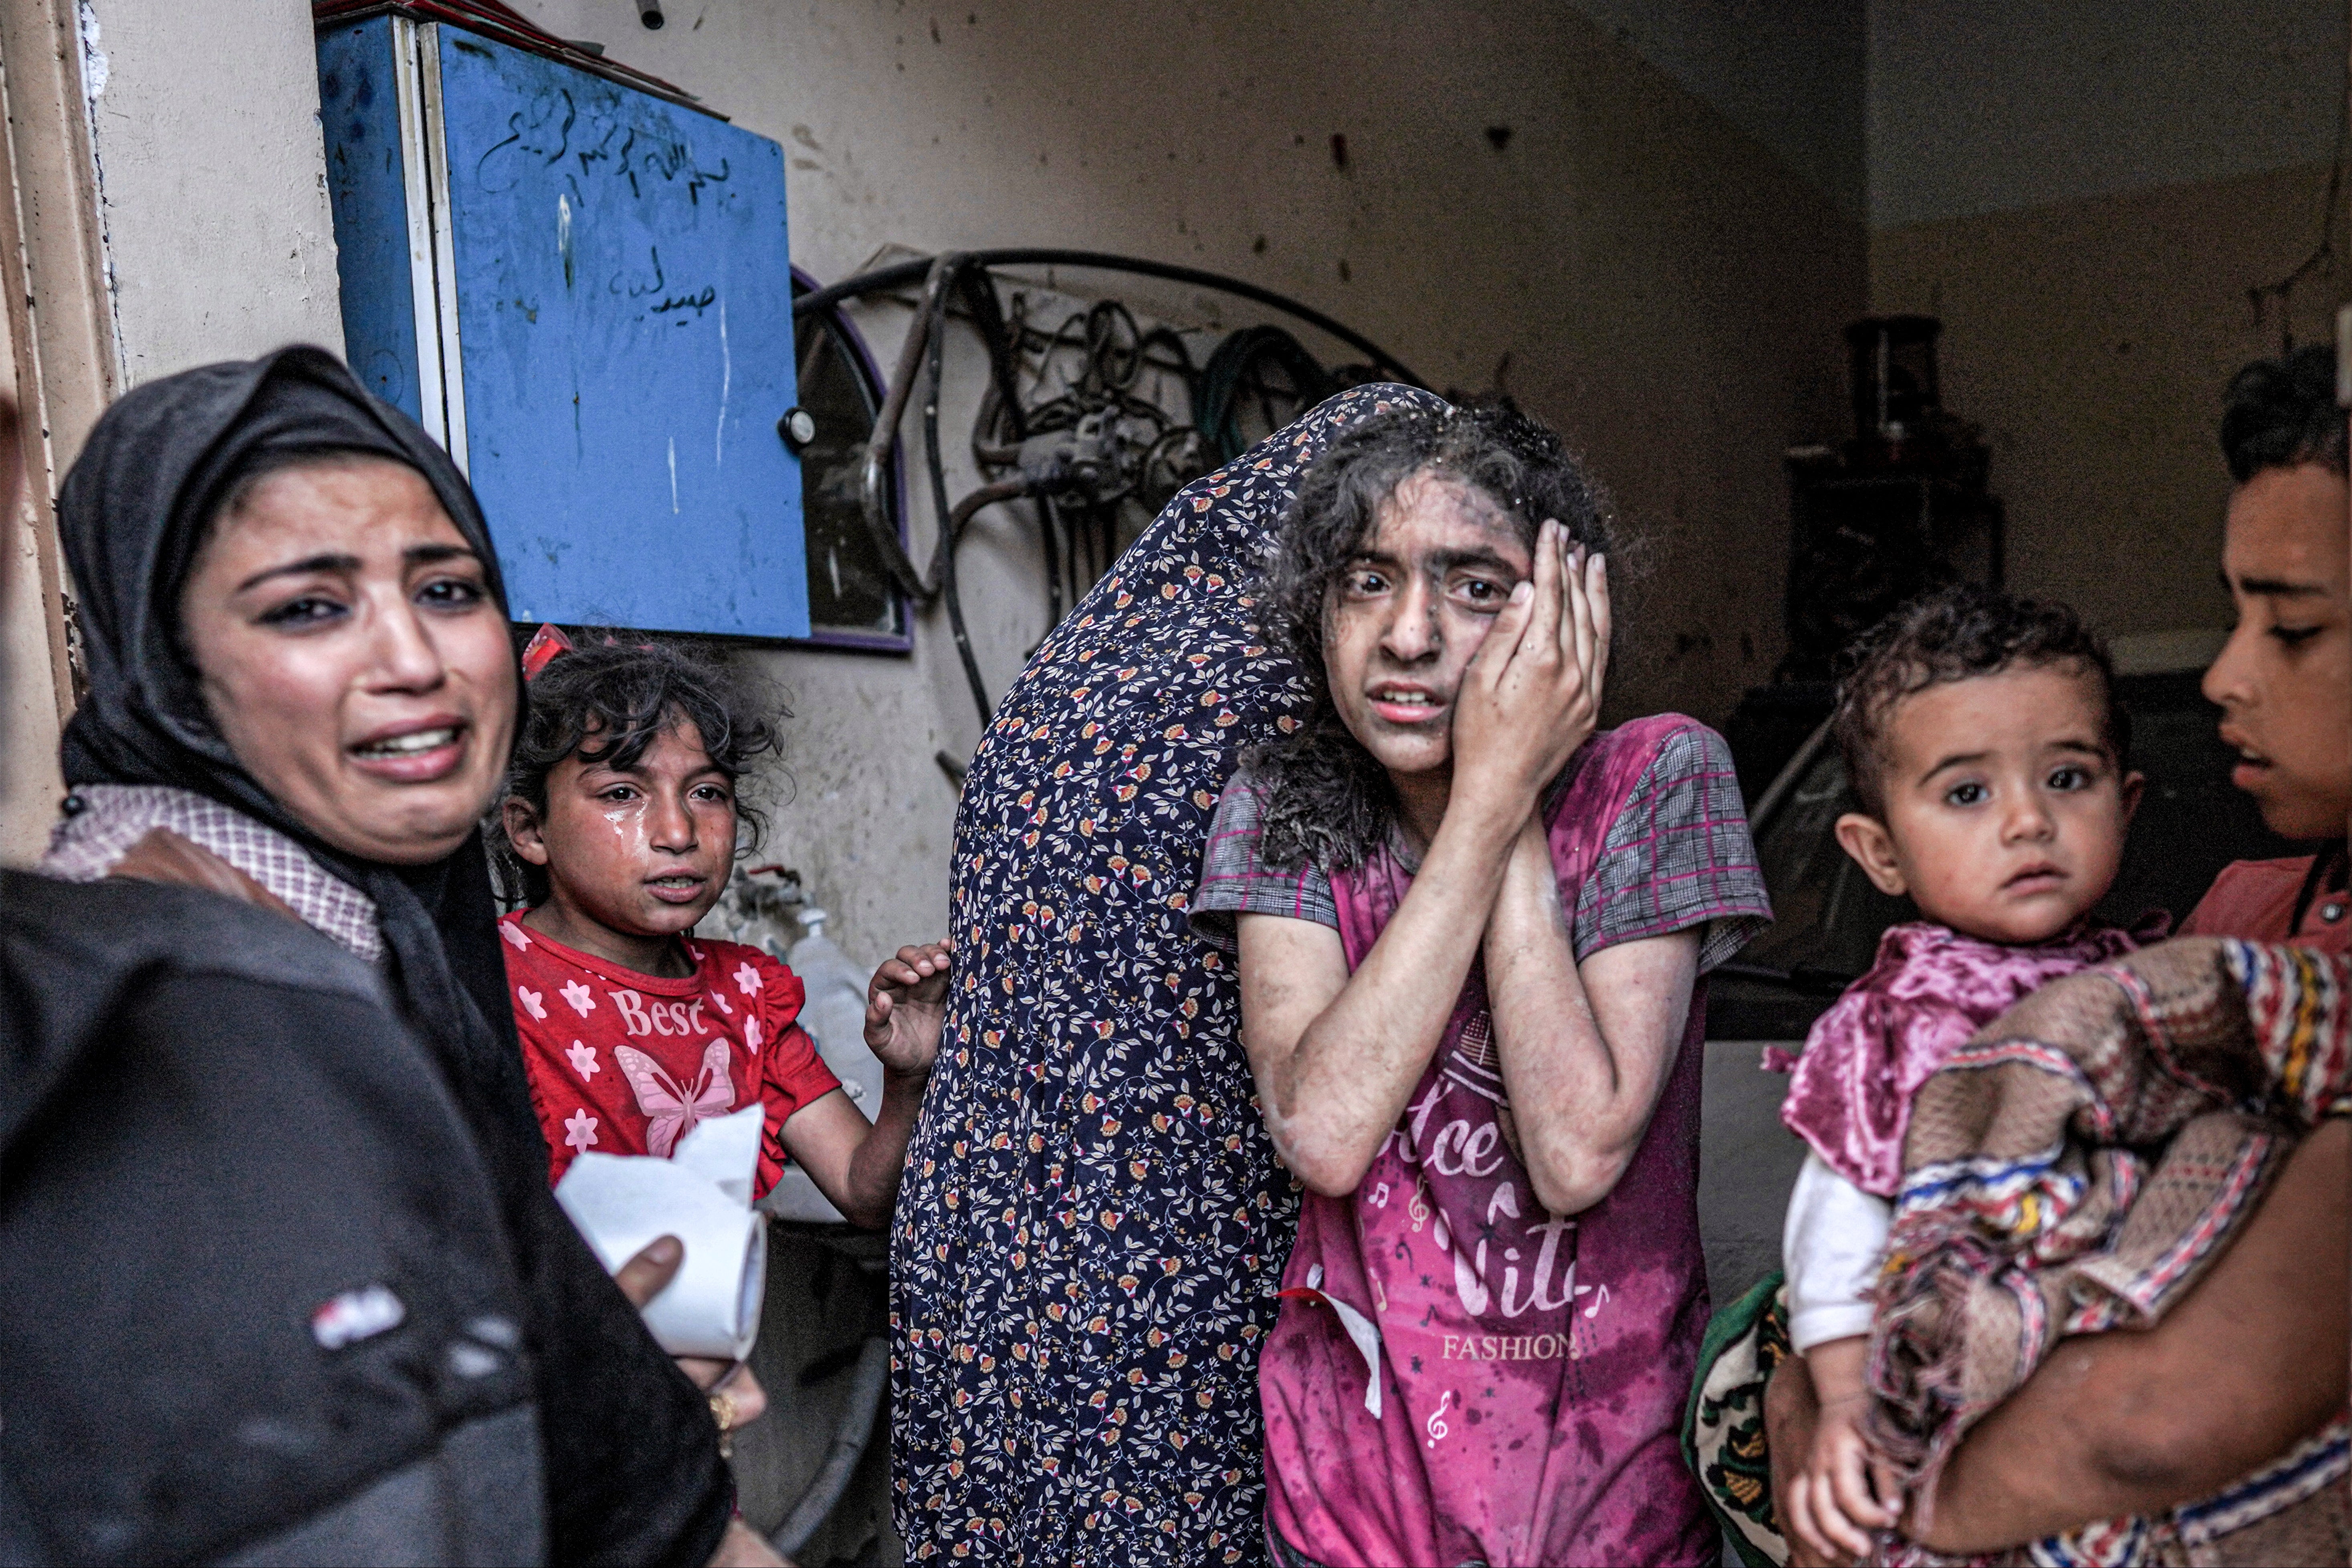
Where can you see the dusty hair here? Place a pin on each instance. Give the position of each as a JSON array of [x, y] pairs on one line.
[[1960, 633], [606, 701], [1325, 798]]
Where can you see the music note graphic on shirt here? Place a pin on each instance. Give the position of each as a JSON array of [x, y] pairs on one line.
[[1435, 1426], [671, 1111]]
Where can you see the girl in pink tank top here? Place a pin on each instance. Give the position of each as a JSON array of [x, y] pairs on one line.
[[1471, 931]]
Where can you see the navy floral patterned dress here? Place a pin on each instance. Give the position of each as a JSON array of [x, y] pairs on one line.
[[1093, 1223]]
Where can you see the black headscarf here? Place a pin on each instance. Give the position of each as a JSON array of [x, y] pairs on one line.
[[134, 510], [632, 1458]]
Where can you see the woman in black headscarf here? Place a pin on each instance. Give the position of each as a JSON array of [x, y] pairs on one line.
[[299, 665]]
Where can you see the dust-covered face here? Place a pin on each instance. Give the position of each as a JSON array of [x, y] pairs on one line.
[[1411, 610], [350, 652]]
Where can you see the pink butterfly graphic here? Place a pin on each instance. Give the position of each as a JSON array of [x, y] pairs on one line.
[[673, 1111]]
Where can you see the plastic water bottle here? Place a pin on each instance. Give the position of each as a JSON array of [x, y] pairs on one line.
[[833, 1014]]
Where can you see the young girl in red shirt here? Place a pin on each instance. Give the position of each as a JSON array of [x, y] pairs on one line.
[[620, 820]]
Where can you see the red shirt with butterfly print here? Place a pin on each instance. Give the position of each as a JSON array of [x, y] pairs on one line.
[[624, 1063]]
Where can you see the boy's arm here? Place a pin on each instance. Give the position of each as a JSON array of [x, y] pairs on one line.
[[2251, 1361], [1585, 1054]]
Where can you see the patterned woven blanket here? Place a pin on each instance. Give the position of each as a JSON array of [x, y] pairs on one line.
[[2077, 1166]]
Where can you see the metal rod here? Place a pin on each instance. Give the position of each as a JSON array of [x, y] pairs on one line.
[[884, 445], [943, 569], [1782, 788]]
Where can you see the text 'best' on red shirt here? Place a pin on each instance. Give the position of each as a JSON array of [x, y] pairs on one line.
[[623, 1063]]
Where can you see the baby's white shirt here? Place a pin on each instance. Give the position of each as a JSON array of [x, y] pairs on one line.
[[1830, 1247]]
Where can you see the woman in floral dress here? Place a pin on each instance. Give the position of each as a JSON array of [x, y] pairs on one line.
[[1093, 1223]]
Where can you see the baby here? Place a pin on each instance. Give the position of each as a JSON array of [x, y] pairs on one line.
[[1982, 738]]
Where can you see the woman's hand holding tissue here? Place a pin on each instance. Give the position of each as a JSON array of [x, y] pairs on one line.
[[641, 1279], [906, 1004]]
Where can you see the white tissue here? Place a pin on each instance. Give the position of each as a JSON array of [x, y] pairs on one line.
[[1361, 1330], [702, 1196]]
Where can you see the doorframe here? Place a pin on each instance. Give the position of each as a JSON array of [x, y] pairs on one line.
[[64, 356]]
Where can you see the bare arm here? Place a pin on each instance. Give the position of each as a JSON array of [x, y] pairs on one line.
[[855, 1165], [2251, 1361], [1792, 1416], [853, 1162], [1337, 1055], [1585, 1051]]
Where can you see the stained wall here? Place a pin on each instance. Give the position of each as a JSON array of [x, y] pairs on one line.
[[1631, 263], [2093, 340], [2085, 194], [1657, 257]]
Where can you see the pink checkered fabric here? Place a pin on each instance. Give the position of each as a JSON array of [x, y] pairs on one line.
[[1676, 855], [86, 845]]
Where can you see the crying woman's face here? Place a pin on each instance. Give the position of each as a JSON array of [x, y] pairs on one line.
[[1410, 611], [352, 657]]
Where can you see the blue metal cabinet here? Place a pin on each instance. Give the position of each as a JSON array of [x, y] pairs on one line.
[[586, 292]]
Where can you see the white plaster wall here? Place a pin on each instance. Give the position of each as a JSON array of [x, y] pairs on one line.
[[1635, 264], [30, 783], [1980, 106], [1788, 72], [213, 181], [1666, 287]]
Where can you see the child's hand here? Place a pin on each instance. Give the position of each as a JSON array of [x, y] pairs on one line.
[[1532, 693], [905, 1005], [1832, 1506]]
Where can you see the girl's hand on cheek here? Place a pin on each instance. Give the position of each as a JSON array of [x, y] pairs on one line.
[[905, 1006], [1532, 695]]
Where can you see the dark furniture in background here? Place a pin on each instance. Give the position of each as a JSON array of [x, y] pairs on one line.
[[1902, 507]]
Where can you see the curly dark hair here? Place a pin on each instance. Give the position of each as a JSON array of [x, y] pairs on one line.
[[607, 700], [2281, 412], [1960, 633], [1326, 800]]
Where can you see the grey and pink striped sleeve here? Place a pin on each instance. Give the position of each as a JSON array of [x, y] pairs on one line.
[[1234, 882]]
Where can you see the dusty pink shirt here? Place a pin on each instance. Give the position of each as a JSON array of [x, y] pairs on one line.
[[1456, 1375]]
